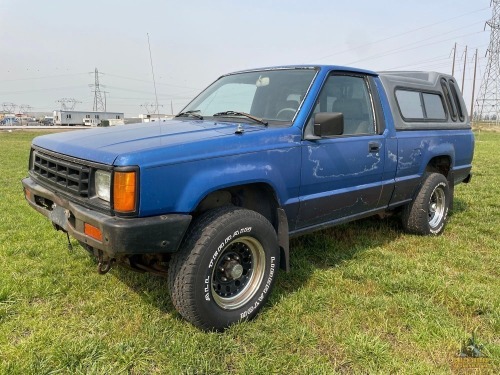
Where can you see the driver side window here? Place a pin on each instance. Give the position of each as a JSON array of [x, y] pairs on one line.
[[350, 96]]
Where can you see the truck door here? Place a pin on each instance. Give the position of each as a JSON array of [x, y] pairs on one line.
[[342, 175]]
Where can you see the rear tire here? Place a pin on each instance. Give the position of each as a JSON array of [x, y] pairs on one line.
[[428, 212], [225, 270]]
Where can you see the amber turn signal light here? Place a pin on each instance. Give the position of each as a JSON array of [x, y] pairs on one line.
[[124, 194], [93, 232]]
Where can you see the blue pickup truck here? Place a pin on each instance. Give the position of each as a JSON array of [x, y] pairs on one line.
[[210, 199]]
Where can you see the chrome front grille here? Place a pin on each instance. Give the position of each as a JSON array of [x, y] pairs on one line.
[[67, 175]]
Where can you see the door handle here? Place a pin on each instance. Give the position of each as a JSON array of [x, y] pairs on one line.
[[373, 147]]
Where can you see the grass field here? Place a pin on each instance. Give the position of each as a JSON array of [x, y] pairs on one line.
[[361, 297]]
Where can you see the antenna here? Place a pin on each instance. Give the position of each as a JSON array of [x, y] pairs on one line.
[[154, 82], [488, 101]]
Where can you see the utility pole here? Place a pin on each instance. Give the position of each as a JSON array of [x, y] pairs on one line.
[[488, 101], [473, 87], [454, 55], [463, 74], [105, 100]]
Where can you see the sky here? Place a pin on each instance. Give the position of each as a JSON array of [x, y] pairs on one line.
[[50, 49]]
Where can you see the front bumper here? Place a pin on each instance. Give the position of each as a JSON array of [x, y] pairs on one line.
[[120, 236]]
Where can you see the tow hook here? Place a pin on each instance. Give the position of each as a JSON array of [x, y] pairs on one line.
[[105, 263]]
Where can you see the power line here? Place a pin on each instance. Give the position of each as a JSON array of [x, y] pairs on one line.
[[42, 77], [147, 81], [488, 101], [402, 34], [399, 50], [420, 63], [38, 90]]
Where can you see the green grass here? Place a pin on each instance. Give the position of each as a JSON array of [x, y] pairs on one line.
[[361, 297]]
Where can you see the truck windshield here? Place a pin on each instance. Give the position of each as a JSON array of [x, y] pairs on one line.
[[268, 95]]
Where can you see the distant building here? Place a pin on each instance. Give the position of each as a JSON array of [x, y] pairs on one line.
[[155, 117], [84, 118], [7, 115]]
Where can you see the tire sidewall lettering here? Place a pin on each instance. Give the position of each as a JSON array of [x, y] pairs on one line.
[[215, 255], [252, 307], [199, 290], [245, 314]]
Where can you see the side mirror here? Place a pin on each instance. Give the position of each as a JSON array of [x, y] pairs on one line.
[[328, 124]]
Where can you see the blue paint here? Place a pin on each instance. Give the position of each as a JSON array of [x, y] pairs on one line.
[[315, 180]]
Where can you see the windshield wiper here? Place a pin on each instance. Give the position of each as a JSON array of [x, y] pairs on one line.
[[191, 113], [235, 113]]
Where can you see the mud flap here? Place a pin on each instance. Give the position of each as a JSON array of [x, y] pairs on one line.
[[283, 240]]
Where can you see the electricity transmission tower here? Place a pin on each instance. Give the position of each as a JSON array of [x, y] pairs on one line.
[[488, 101], [9, 107], [151, 108], [99, 104], [68, 104], [24, 108]]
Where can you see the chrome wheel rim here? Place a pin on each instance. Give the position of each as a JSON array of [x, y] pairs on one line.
[[437, 205], [238, 273]]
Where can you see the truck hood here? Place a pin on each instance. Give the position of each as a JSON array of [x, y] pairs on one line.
[[104, 145]]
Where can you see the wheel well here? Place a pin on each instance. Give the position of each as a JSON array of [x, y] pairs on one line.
[[257, 197], [439, 164]]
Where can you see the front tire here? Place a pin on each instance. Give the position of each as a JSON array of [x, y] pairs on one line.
[[428, 212], [225, 270]]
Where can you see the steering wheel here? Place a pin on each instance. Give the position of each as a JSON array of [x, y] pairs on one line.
[[284, 111]]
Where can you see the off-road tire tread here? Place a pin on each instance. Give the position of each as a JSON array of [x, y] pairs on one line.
[[414, 216], [183, 266]]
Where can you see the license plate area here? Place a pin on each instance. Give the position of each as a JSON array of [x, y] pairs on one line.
[[59, 216]]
